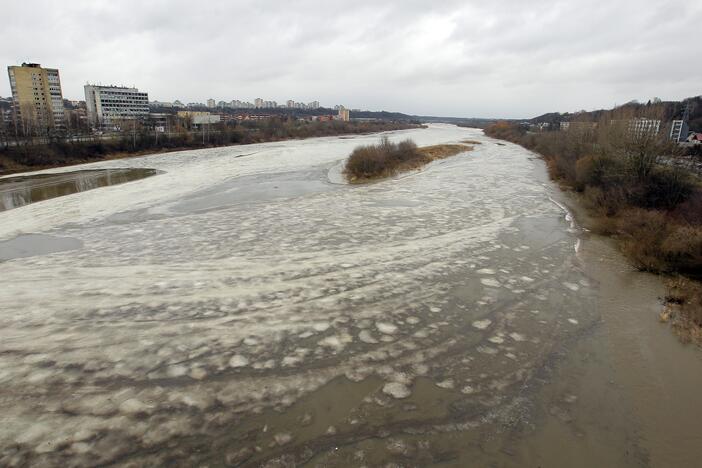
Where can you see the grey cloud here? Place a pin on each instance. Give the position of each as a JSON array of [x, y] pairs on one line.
[[502, 58]]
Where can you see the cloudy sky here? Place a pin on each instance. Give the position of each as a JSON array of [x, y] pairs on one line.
[[502, 58]]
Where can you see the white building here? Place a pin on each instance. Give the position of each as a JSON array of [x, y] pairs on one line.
[[205, 119], [642, 126], [107, 105], [344, 114]]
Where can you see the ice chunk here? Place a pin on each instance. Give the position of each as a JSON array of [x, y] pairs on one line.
[[386, 327], [482, 324], [396, 390], [366, 337], [490, 282], [448, 384], [238, 361], [517, 336]]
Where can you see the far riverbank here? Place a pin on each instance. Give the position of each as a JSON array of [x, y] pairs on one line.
[[27, 156]]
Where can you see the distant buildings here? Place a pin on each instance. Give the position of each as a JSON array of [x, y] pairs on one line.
[[642, 126], [290, 104], [37, 97], [259, 103], [694, 139], [107, 105], [199, 118], [166, 105], [344, 114], [577, 126], [37, 105]]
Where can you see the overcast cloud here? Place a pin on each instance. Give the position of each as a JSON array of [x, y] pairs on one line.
[[503, 58]]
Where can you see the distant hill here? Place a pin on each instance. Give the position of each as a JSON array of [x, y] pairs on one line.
[[663, 110]]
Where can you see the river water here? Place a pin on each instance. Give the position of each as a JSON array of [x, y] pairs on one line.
[[244, 307]]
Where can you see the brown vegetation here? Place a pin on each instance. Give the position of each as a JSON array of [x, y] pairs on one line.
[[387, 158], [28, 155], [683, 308], [653, 208]]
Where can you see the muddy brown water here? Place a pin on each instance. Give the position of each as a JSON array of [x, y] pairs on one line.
[[18, 191], [249, 312]]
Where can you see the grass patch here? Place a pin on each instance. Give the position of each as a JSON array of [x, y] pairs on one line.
[[387, 158], [683, 308]]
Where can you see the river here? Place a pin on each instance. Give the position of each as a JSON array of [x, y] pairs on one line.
[[245, 307]]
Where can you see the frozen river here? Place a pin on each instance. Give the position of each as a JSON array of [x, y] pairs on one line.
[[244, 307]]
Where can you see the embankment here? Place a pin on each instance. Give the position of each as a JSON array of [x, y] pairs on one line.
[[629, 191]]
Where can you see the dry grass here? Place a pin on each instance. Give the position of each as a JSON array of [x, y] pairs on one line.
[[443, 151], [471, 142], [386, 158], [683, 308]]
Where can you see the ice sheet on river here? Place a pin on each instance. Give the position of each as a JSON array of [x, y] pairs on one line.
[[217, 332]]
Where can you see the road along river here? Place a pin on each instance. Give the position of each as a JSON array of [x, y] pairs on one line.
[[244, 307]]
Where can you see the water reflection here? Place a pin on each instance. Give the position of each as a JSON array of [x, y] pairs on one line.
[[23, 190]]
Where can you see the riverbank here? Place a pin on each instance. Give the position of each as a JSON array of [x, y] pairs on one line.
[[653, 210], [385, 159], [31, 157]]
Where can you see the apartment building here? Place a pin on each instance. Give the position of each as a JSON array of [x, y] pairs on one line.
[[643, 126], [344, 114], [108, 105], [36, 96]]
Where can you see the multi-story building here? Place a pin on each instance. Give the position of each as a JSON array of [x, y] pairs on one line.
[[344, 114], [644, 127], [108, 105], [36, 96], [211, 103], [258, 102]]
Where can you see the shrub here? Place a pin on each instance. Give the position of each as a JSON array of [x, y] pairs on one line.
[[664, 187], [682, 248], [642, 233], [382, 159], [598, 171]]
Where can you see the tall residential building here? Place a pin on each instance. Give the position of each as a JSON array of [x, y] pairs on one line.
[[258, 103], [36, 96], [107, 105], [211, 103], [344, 114]]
